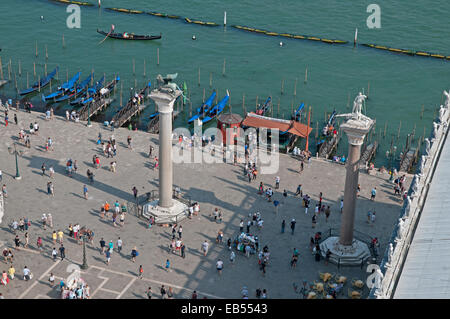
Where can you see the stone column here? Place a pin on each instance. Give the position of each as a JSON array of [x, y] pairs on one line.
[[356, 131], [164, 99]]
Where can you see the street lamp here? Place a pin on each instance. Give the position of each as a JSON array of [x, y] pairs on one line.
[[16, 152], [89, 115], [84, 265]]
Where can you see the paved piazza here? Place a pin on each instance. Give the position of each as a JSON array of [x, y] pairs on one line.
[[215, 185]]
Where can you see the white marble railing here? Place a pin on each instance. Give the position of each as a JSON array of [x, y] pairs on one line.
[[397, 249]]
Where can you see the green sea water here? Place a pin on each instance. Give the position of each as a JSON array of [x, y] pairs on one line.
[[256, 65]]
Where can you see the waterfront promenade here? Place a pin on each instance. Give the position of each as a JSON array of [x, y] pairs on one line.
[[214, 185]]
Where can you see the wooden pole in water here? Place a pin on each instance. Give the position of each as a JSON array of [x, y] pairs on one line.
[[9, 70], [217, 96], [229, 104], [399, 127], [306, 75], [243, 103], [368, 89], [421, 113], [190, 108], [134, 67], [307, 130], [46, 52], [39, 84], [282, 86], [210, 79], [198, 76], [256, 104], [36, 50], [414, 132], [50, 86], [34, 70], [223, 70], [121, 89], [144, 68], [278, 110], [15, 81], [63, 43], [20, 69], [385, 126], [317, 129], [45, 69], [1, 68], [292, 107], [157, 56], [356, 38], [295, 87], [204, 93], [27, 80]]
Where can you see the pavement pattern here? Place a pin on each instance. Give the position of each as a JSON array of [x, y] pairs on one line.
[[212, 185]]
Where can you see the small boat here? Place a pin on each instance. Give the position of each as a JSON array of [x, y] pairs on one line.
[[204, 108], [216, 110], [295, 116], [80, 89], [129, 36], [298, 112], [262, 109], [40, 84], [65, 87]]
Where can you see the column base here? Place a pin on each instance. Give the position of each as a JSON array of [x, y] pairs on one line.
[[352, 255], [163, 215]]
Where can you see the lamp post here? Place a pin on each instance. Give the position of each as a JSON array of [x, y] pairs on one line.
[[89, 115], [84, 265], [16, 152]]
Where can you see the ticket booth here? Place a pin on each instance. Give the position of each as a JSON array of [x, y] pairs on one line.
[[229, 121]]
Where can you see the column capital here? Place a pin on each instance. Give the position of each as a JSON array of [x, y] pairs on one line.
[[164, 98], [356, 130]]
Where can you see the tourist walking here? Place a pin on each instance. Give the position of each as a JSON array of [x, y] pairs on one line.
[[62, 251], [54, 253], [241, 226], [219, 266], [373, 194], [327, 213], [60, 236], [183, 248], [119, 245], [283, 225], [102, 245], [205, 246], [134, 254], [232, 257], [85, 192], [167, 267], [293, 225], [140, 272], [135, 192]]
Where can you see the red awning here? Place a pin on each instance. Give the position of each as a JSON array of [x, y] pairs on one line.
[[293, 127]]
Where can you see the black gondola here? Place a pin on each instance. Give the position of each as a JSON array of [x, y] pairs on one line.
[[129, 36]]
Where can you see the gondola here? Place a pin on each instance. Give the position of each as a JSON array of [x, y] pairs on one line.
[[262, 109], [129, 36], [63, 89], [80, 89], [40, 84], [216, 110], [204, 108], [92, 91]]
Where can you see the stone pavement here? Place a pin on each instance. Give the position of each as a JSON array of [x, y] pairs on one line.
[[214, 185]]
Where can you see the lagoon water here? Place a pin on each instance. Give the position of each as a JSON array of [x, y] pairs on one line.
[[255, 64]]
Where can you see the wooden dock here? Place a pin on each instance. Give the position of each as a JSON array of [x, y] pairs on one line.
[[329, 146], [153, 124], [129, 110], [100, 102], [95, 106], [408, 159], [368, 153]]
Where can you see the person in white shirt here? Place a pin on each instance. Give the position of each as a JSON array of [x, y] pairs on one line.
[[26, 274], [219, 266], [205, 246], [232, 257]]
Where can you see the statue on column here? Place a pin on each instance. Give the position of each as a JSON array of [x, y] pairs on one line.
[[390, 253], [357, 105], [447, 94]]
